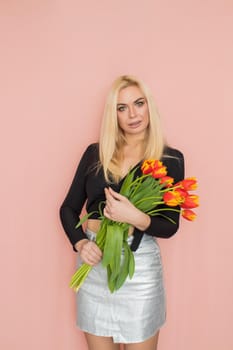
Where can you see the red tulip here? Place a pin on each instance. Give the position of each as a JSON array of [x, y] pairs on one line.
[[190, 201], [188, 184], [153, 167], [148, 166], [182, 192], [157, 173], [167, 181], [172, 198], [188, 214]]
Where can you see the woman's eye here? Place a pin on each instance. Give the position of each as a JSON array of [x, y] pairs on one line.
[[140, 103], [121, 108]]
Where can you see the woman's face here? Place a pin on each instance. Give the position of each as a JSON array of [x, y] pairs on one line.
[[132, 111]]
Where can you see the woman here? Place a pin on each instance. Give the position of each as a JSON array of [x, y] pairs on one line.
[[130, 133]]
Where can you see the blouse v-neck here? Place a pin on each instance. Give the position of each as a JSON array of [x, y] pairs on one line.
[[130, 169]]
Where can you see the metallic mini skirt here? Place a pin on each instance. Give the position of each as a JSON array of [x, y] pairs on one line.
[[133, 313]]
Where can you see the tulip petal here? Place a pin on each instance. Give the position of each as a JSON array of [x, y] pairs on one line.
[[191, 201], [188, 214]]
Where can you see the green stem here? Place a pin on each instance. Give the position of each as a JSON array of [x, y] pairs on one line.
[[146, 199], [139, 179], [166, 217], [167, 189], [162, 209]]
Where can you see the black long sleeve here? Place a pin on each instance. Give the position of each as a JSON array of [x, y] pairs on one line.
[[74, 201], [88, 187]]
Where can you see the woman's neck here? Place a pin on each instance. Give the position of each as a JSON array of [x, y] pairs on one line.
[[132, 154], [134, 140]]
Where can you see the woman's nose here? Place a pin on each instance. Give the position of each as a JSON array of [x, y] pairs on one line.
[[132, 111]]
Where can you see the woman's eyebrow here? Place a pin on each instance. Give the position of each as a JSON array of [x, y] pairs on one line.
[[121, 104], [125, 104], [138, 99]]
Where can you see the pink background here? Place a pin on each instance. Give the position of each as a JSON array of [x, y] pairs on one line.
[[58, 59]]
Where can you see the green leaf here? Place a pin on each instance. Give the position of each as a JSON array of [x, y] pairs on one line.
[[100, 209], [147, 203], [131, 264], [145, 188], [84, 218], [108, 247], [111, 283], [124, 268], [117, 244], [101, 234], [125, 187]]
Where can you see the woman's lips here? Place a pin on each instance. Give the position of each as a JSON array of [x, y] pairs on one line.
[[134, 124]]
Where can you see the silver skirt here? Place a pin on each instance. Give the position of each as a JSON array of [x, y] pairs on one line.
[[137, 310]]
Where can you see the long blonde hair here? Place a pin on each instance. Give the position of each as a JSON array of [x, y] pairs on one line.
[[111, 136]]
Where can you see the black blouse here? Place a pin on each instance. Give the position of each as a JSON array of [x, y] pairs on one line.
[[88, 187]]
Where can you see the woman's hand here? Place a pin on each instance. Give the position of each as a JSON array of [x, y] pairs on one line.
[[89, 252], [119, 208]]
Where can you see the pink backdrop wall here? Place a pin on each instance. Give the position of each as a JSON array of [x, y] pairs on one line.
[[58, 59]]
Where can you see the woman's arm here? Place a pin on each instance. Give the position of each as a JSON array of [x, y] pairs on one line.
[[74, 201], [160, 226], [119, 208]]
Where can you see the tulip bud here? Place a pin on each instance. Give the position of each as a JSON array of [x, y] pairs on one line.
[[157, 173], [188, 214], [188, 184], [167, 181], [190, 201], [148, 166], [172, 198]]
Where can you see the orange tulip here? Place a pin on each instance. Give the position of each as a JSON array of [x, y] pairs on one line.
[[167, 181], [148, 166], [157, 173], [154, 167], [182, 192], [158, 164], [190, 201], [188, 214], [172, 198], [188, 184]]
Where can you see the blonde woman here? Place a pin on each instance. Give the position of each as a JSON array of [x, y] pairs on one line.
[[130, 133]]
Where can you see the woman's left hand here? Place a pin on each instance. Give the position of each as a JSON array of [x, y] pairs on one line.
[[119, 208]]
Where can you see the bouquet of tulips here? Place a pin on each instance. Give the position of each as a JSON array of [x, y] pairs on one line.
[[145, 192]]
